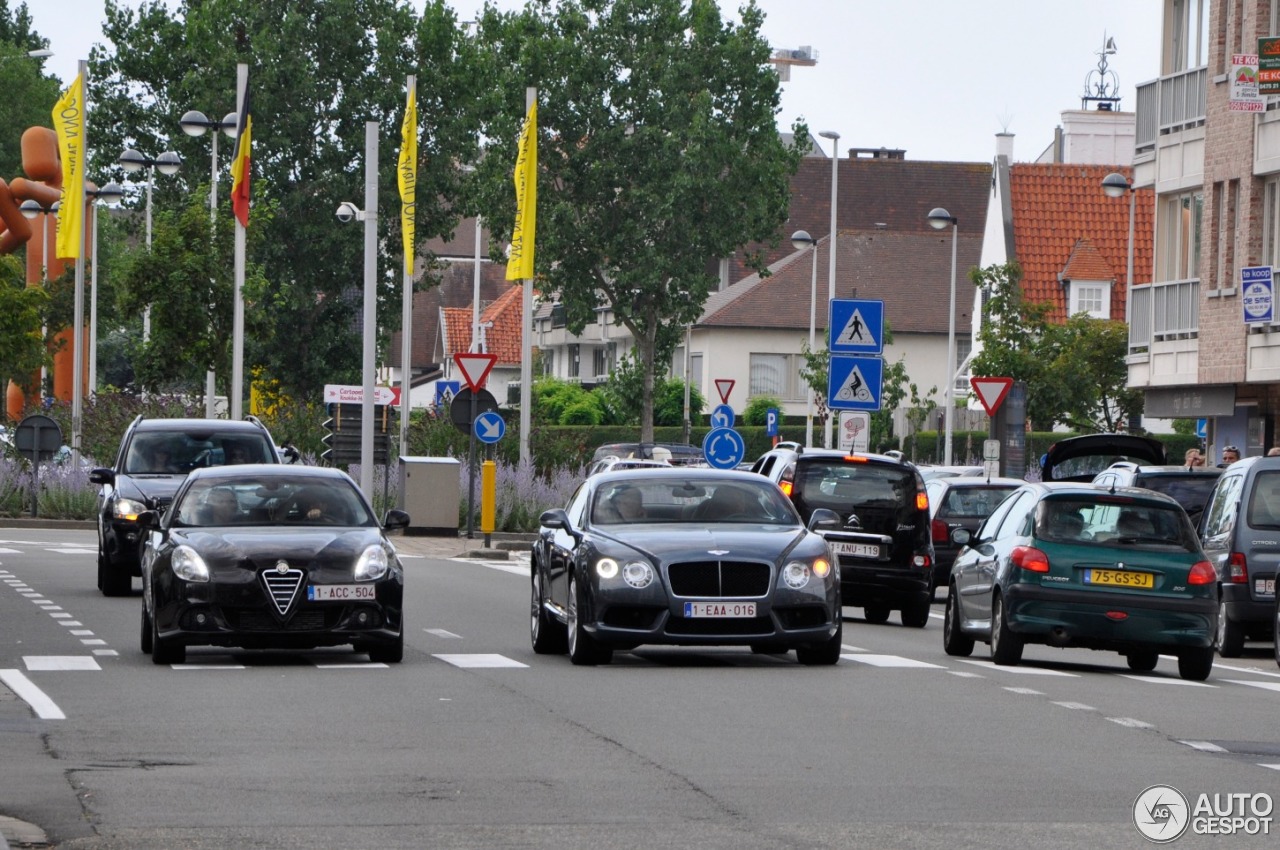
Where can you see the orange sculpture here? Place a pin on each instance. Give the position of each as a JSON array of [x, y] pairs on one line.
[[43, 184]]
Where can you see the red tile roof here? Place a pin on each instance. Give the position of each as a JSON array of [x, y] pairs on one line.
[[1055, 207], [502, 339]]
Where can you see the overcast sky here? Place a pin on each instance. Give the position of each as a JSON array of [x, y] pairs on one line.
[[938, 78]]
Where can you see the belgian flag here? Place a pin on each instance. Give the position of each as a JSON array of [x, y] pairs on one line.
[[240, 162]]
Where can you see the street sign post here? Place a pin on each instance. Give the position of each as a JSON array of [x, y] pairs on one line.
[[856, 326], [854, 382], [37, 438]]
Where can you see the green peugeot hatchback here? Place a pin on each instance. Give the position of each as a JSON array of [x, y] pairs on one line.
[[1077, 565]]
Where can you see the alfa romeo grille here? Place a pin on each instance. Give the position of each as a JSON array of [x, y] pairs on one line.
[[282, 588]]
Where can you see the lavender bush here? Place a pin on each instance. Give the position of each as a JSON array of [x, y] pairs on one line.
[[522, 494], [65, 491]]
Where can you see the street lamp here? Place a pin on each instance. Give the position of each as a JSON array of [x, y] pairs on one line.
[[831, 265], [938, 219], [194, 123], [1115, 185], [109, 194], [167, 163], [800, 240]]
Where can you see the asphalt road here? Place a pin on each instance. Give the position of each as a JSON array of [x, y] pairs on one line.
[[474, 741]]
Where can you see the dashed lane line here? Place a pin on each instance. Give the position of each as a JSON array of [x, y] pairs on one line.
[[479, 660], [890, 661]]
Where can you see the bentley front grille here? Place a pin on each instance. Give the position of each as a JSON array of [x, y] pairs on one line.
[[720, 579]]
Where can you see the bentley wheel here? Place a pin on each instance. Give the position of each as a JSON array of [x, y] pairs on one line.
[[955, 642], [825, 653], [876, 614], [584, 650], [144, 639], [1006, 647], [1142, 660], [546, 634], [113, 580]]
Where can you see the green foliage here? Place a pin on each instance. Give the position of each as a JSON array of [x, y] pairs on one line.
[[553, 398], [584, 412], [657, 129], [21, 311], [668, 402], [1184, 427], [29, 95], [758, 408]]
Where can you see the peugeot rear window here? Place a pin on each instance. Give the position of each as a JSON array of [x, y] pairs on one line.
[[1115, 522]]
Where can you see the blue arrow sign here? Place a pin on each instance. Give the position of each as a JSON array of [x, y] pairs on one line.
[[723, 416], [854, 383], [723, 448], [856, 327], [489, 427], [771, 422]]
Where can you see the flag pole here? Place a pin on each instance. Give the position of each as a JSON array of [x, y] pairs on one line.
[[526, 335], [77, 322], [408, 177], [237, 325], [370, 304]]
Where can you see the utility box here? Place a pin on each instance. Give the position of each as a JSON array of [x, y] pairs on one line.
[[431, 494]]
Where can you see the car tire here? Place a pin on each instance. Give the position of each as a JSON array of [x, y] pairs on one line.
[[1006, 647], [917, 616], [1195, 665], [955, 642], [825, 653], [165, 651], [1230, 634], [1142, 660], [546, 633], [112, 579], [875, 613], [145, 637], [584, 650], [388, 651]]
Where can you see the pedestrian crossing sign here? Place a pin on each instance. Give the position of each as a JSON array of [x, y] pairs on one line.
[[856, 326], [853, 383]]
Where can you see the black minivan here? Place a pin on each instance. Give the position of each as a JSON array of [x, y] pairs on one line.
[[885, 550], [1240, 532]]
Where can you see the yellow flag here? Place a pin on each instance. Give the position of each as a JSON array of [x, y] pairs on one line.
[[68, 124], [520, 263], [407, 172]]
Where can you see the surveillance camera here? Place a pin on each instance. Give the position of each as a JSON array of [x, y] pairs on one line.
[[346, 212]]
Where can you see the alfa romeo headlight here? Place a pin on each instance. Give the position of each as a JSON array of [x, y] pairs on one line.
[[796, 574], [128, 509], [188, 565], [638, 574], [372, 564]]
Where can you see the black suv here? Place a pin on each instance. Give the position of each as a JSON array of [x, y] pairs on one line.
[[885, 550], [154, 459]]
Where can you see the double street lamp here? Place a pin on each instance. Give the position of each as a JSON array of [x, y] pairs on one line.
[[195, 123], [801, 240], [1115, 185], [939, 219], [831, 265], [112, 193], [167, 163]]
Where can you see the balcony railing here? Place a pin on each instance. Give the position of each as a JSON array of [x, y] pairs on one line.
[[1168, 105], [1176, 314]]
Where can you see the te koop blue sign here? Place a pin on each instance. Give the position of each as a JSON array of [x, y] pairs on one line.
[[1257, 288]]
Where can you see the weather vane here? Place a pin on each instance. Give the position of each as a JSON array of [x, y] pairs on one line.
[[1102, 85]]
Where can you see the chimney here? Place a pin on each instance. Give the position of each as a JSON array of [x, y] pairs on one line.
[[1004, 145]]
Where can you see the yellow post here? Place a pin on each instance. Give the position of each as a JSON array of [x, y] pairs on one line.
[[488, 498]]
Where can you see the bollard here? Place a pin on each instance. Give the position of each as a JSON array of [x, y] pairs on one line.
[[488, 498]]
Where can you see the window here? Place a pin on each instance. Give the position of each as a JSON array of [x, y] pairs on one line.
[[776, 375], [1178, 236], [1271, 220], [1190, 35], [1092, 298], [573, 360], [600, 362], [695, 371], [549, 361]]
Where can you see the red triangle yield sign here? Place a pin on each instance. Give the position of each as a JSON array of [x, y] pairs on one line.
[[990, 392], [724, 386], [475, 368]]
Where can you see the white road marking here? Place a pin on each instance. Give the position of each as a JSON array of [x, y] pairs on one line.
[[937, 616], [31, 594], [1161, 680], [965, 674], [1076, 706], [60, 662], [479, 660], [45, 708], [1268, 686], [1218, 665], [82, 632], [891, 661], [1204, 746], [10, 551], [1271, 766], [59, 616], [51, 607], [70, 622], [1028, 671], [403, 556], [207, 666], [349, 665], [105, 652], [76, 551], [1131, 722], [848, 648], [442, 633], [504, 566], [1031, 692], [93, 641]]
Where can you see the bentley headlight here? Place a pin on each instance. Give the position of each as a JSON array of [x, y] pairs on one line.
[[128, 509], [822, 568], [372, 564], [188, 565], [606, 568], [638, 574], [796, 574]]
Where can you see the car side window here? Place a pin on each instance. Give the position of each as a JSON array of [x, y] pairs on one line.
[[1016, 519], [1222, 510], [987, 531], [577, 505]]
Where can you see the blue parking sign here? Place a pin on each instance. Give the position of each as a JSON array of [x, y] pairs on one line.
[[771, 422], [853, 383]]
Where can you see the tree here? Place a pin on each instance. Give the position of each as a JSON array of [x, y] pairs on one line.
[[21, 310], [658, 154], [1012, 338], [317, 73], [29, 94]]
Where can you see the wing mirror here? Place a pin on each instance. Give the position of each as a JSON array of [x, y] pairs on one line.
[[102, 475], [824, 519], [962, 536], [395, 519]]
